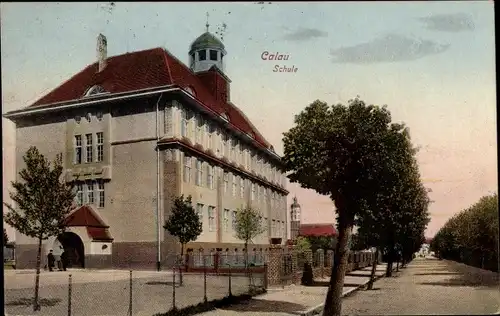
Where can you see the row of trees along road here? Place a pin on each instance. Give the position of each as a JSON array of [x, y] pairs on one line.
[[366, 164], [471, 236]]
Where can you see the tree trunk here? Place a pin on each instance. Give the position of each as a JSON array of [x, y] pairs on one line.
[[333, 301], [36, 301], [374, 269], [182, 264]]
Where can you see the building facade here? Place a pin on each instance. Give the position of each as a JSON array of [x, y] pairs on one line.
[[137, 130]]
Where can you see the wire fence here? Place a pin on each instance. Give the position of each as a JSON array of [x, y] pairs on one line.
[[121, 292]]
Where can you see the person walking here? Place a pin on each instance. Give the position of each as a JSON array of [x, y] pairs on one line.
[[51, 260], [64, 260]]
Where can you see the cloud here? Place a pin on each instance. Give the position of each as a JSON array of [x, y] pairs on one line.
[[455, 23], [304, 34], [390, 48]]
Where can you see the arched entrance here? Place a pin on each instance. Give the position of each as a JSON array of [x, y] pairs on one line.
[[73, 246]]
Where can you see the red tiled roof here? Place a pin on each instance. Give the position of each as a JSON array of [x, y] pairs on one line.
[[84, 216], [99, 233], [317, 230], [146, 69]]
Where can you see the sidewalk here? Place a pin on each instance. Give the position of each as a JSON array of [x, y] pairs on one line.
[[430, 287], [297, 299]]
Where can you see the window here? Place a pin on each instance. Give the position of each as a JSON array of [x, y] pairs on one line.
[[88, 145], [233, 220], [85, 193], [199, 210], [226, 220], [220, 149], [242, 187], [252, 197], [187, 168], [232, 154], [100, 146], [273, 228], [184, 123], [199, 130], [78, 149], [235, 179], [225, 144], [226, 181], [210, 176], [202, 54], [90, 192], [211, 218], [240, 153], [199, 172], [208, 131], [258, 193], [283, 233], [213, 55], [100, 192], [79, 194]]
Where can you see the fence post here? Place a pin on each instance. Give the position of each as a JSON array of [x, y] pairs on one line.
[[230, 282], [130, 294], [265, 275], [69, 295], [173, 285], [205, 300]]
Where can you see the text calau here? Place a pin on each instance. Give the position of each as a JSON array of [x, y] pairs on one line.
[[276, 57]]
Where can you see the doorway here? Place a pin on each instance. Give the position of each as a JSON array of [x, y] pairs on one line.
[[73, 246]]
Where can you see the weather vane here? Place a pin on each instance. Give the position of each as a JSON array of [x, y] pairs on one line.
[[207, 25]]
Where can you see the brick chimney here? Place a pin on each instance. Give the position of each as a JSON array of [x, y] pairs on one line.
[[102, 52]]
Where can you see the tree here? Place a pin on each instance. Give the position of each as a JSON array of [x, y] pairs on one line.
[[5, 237], [302, 244], [335, 150], [248, 226], [471, 236], [184, 223], [43, 201]]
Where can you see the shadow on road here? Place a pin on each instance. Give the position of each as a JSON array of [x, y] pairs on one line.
[[255, 305], [439, 273], [326, 284], [29, 301], [474, 280]]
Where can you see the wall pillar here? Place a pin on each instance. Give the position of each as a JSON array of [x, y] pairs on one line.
[[274, 256]]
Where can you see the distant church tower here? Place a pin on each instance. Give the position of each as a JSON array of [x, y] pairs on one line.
[[295, 219], [205, 52]]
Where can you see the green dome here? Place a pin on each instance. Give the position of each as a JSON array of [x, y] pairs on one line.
[[206, 40]]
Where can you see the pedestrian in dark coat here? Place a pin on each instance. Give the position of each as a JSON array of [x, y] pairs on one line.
[[64, 260], [51, 260]]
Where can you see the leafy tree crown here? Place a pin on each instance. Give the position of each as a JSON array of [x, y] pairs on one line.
[[42, 198], [184, 222]]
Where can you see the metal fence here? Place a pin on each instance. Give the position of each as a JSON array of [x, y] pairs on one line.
[[121, 292]]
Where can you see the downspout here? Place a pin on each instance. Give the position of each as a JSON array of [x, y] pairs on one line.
[[158, 215]]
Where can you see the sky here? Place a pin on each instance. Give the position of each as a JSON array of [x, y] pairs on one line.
[[431, 63]]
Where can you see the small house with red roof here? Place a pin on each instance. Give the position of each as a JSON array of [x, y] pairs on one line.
[[138, 129]]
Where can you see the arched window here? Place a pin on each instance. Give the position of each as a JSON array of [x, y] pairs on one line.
[[94, 90]]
